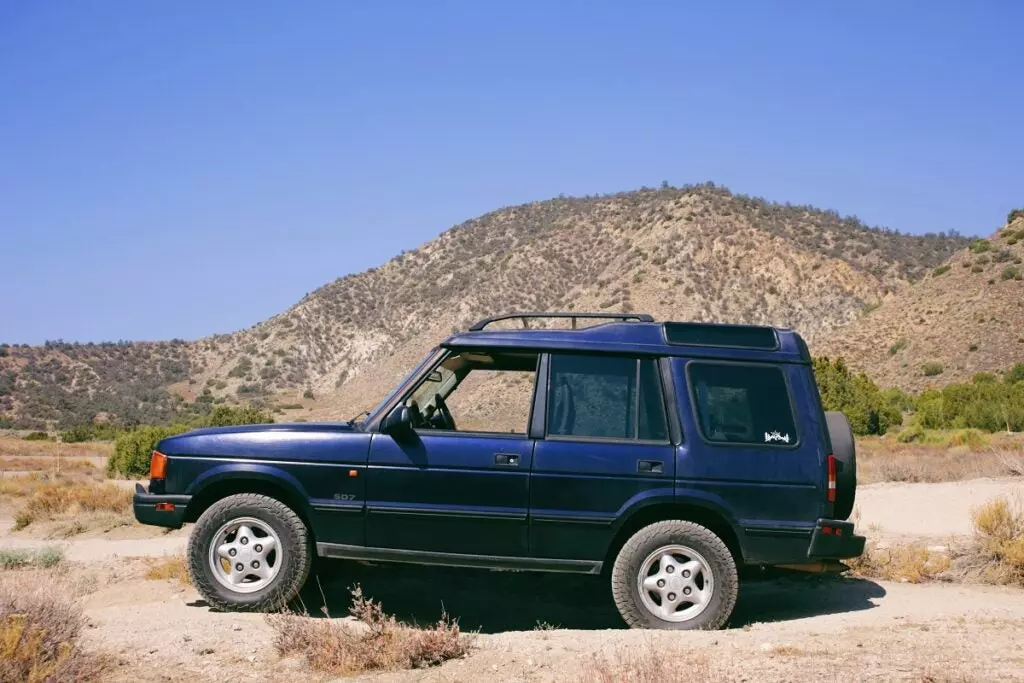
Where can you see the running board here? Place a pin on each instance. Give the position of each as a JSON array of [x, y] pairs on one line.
[[538, 564]]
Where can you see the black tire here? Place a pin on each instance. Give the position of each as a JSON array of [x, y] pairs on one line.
[[296, 555], [647, 540], [845, 451]]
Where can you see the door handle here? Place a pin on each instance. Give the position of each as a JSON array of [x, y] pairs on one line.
[[650, 466], [507, 459]]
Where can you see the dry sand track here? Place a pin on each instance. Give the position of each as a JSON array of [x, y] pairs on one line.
[[788, 627]]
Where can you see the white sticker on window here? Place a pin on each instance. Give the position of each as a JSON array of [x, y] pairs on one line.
[[775, 436]]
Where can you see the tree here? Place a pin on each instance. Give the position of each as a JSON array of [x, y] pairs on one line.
[[857, 396]]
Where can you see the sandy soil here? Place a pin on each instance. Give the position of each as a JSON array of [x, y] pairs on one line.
[[928, 510], [786, 626]]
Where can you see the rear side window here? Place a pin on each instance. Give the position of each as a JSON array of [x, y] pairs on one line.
[[610, 397], [742, 404]]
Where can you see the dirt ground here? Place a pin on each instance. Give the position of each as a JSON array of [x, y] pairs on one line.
[[535, 627]]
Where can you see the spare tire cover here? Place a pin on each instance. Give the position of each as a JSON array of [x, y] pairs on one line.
[[845, 452]]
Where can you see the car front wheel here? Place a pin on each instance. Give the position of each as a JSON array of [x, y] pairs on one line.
[[249, 552]]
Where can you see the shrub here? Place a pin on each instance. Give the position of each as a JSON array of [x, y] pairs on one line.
[[1014, 374], [980, 246], [17, 558], [378, 643], [308, 394], [37, 436], [897, 346], [1014, 215], [90, 432], [53, 499], [932, 369], [856, 395], [169, 568], [40, 628], [226, 416], [941, 270], [977, 269], [1011, 273], [132, 450], [999, 537]]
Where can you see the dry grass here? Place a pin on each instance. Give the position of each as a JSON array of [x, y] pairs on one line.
[[378, 643], [13, 446], [50, 498], [943, 456], [910, 562], [83, 467], [39, 633], [169, 569], [999, 541], [647, 665]]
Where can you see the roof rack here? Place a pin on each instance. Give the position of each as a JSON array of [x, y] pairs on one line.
[[525, 317]]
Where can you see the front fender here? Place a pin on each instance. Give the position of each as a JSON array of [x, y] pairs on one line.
[[248, 471]]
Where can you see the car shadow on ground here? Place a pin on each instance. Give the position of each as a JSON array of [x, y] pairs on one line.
[[499, 601]]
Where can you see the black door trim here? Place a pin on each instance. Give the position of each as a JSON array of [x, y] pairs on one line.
[[544, 564]]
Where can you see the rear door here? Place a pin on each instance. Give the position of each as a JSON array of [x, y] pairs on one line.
[[750, 452], [606, 446]]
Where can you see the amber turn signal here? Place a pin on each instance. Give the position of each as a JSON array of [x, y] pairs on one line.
[[165, 507], [158, 466]]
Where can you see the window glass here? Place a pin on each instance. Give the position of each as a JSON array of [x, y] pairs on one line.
[[652, 407], [742, 404], [596, 396], [476, 391]]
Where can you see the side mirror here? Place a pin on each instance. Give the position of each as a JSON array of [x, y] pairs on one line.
[[398, 422]]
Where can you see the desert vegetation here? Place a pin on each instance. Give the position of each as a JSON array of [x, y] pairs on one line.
[[377, 642]]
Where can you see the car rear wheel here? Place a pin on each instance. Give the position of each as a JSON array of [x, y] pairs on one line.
[[675, 574], [249, 552]]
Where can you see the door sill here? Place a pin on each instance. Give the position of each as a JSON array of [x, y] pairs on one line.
[[541, 564]]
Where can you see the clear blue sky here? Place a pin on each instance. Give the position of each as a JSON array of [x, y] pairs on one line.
[[180, 169]]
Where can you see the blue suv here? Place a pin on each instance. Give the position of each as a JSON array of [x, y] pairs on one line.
[[665, 455]]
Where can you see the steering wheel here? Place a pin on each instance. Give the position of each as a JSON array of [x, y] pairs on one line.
[[446, 415]]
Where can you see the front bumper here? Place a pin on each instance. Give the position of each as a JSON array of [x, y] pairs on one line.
[[834, 540], [172, 508]]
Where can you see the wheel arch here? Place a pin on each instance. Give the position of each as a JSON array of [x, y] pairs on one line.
[[706, 516], [232, 483]]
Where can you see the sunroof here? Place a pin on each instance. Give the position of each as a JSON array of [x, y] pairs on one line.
[[736, 336]]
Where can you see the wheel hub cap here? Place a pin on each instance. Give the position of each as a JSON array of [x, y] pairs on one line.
[[245, 555], [675, 583]]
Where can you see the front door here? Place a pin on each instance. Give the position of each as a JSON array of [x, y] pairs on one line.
[[460, 483], [606, 448]]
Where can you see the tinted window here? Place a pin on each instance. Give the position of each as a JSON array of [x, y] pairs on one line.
[[744, 336], [742, 404], [596, 396]]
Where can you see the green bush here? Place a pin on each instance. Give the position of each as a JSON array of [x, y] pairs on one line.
[[226, 416], [308, 393], [37, 436], [1011, 273], [980, 246], [932, 369], [898, 346], [133, 449], [868, 409], [941, 270], [1014, 215], [1014, 374], [90, 432], [988, 406]]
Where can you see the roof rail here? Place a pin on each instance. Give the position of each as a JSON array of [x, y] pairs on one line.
[[525, 317]]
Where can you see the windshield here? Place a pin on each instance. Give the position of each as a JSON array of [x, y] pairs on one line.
[[429, 360]]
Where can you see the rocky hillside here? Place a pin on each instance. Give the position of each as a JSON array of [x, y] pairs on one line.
[[966, 316], [696, 253]]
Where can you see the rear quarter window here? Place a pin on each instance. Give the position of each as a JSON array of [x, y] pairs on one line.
[[740, 403]]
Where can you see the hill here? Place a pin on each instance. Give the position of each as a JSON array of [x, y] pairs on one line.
[[966, 316], [692, 253]]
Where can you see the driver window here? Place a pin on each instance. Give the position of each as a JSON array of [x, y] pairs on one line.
[[477, 391]]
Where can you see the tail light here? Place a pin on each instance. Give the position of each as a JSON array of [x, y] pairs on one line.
[[158, 466], [831, 478]]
